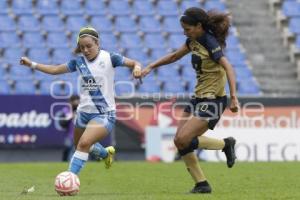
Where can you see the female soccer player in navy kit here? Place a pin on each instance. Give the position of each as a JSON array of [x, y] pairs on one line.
[[206, 34], [96, 111]]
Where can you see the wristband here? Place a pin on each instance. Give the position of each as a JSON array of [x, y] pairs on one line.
[[33, 65]]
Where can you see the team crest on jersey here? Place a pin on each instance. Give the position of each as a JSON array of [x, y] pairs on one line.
[[101, 64]]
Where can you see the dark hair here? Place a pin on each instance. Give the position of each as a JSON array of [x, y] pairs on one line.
[[74, 98], [86, 31], [212, 21]]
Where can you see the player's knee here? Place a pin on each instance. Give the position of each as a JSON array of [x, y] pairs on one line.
[[180, 142], [188, 147], [84, 144]]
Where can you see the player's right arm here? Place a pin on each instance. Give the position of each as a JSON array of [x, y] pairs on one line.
[[48, 69], [167, 59]]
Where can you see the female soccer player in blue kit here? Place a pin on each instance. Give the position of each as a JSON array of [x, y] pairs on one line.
[[206, 34], [96, 111]]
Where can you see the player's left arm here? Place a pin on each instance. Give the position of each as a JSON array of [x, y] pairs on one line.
[[135, 66], [234, 104]]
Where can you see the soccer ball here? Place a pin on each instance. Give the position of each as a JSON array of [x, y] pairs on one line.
[[67, 184]]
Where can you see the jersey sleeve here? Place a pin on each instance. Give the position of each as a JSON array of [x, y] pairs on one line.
[[187, 43], [214, 48], [116, 59], [71, 65]]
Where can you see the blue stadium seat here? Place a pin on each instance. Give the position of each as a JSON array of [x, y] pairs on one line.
[[137, 54], [291, 8], [73, 40], [173, 87], [130, 40], [176, 40], [248, 88], [7, 23], [191, 83], [5, 88], [39, 55], [167, 8], [20, 72], [294, 25], [25, 87], [61, 55], [122, 73], [125, 24], [142, 8], [71, 7], [149, 24], [232, 42], [28, 23], [20, 7], [95, 7], [108, 41], [187, 4], [298, 41], [150, 85], [12, 55], [57, 88], [52, 23], [172, 24], [167, 71], [188, 72], [157, 53], [185, 61], [43, 76], [3, 70], [102, 24], [3, 7], [235, 56], [154, 40], [215, 5], [33, 39], [9, 39], [243, 73], [117, 7], [75, 23], [125, 88], [47, 7], [57, 40]]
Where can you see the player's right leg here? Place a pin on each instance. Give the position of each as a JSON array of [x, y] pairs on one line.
[[226, 145], [186, 141]]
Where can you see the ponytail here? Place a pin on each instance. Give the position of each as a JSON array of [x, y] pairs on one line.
[[213, 22], [219, 24]]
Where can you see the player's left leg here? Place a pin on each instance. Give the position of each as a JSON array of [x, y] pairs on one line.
[[94, 132], [108, 121], [186, 141]]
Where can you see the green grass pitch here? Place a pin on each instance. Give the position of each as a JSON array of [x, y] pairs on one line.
[[157, 181]]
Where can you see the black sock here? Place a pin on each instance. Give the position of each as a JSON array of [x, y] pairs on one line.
[[202, 183], [226, 143]]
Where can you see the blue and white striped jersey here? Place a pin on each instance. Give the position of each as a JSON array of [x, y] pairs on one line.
[[96, 81]]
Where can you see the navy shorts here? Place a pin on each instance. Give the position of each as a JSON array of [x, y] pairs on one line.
[[207, 109], [107, 119]]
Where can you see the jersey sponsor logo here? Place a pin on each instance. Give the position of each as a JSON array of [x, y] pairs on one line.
[[216, 49], [91, 85]]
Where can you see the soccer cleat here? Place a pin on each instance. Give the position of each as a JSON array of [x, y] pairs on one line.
[[229, 151], [201, 189], [110, 156]]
